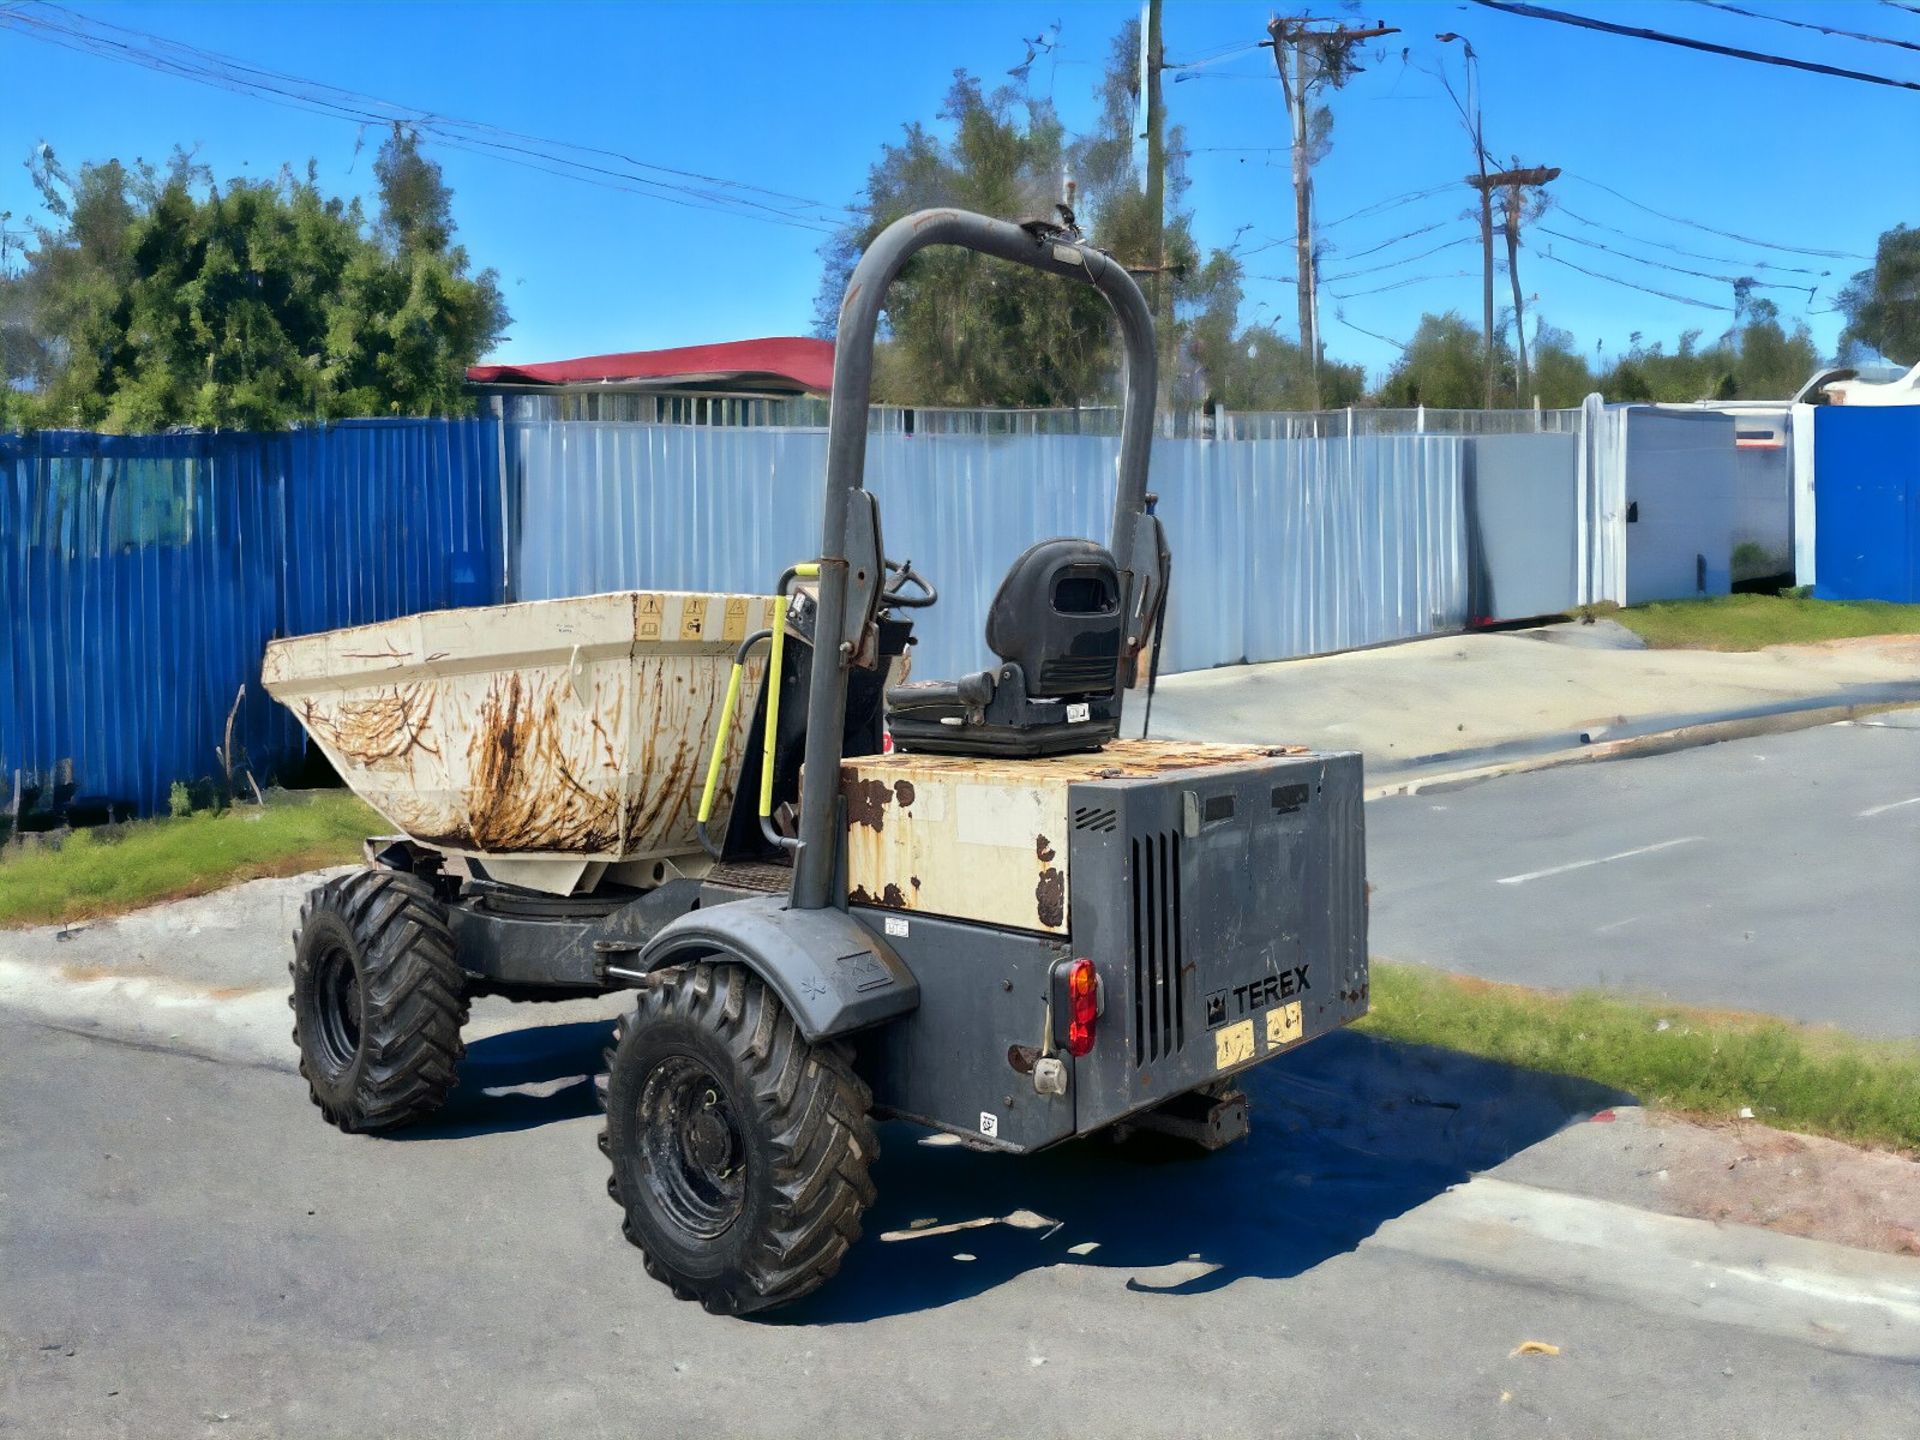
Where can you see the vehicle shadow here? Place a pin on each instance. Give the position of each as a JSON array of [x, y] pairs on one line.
[[520, 1079], [1348, 1133]]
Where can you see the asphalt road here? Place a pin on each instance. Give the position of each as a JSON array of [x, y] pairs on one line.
[[186, 1250], [1779, 874]]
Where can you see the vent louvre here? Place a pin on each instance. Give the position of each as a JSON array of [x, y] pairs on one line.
[[1078, 673], [1159, 999], [1095, 818]]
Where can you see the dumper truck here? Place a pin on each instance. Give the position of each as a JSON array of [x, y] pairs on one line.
[[837, 894]]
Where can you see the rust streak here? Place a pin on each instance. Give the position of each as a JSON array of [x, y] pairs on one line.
[[867, 803], [387, 726], [526, 794], [1050, 898]]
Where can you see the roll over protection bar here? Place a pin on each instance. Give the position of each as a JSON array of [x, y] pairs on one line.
[[1042, 248]]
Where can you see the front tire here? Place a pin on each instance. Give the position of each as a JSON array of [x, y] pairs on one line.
[[740, 1152], [378, 1000]]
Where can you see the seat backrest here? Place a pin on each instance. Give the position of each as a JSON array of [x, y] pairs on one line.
[[1057, 616]]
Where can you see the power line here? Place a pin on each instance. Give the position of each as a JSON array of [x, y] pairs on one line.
[[217, 62], [1186, 75], [1231, 51], [1636, 32], [1559, 209], [1810, 25], [647, 178], [1806, 290], [1341, 316], [1388, 204], [1723, 234], [1404, 260], [1644, 289], [1403, 284], [1407, 235], [1272, 242]]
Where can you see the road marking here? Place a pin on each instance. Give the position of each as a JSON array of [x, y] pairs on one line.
[[1882, 809], [1603, 860]]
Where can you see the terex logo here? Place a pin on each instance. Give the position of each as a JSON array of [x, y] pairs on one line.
[[1257, 994]]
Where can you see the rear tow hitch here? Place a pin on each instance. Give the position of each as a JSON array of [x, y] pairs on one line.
[[1211, 1121]]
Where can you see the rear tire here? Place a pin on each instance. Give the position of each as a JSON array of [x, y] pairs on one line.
[[740, 1152], [378, 1000]]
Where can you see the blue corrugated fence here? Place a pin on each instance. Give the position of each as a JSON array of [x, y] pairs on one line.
[[142, 576]]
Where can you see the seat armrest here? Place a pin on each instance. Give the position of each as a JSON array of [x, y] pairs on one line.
[[971, 691]]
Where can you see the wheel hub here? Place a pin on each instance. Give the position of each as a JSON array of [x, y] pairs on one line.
[[708, 1143], [341, 1016], [692, 1148]]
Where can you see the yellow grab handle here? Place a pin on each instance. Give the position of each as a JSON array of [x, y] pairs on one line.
[[808, 571], [773, 704], [720, 741]]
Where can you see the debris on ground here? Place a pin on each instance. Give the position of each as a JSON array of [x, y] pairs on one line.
[[1746, 1173]]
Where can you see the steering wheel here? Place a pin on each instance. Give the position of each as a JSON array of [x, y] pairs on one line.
[[902, 573]]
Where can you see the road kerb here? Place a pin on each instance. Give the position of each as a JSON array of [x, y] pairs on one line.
[[1660, 742]]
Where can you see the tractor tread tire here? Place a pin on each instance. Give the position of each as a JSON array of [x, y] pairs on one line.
[[814, 1110], [414, 1000]]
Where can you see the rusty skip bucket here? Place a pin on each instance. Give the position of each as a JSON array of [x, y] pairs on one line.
[[550, 738]]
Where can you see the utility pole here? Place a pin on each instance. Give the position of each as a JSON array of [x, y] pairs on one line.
[[1153, 61], [1470, 114], [1513, 185], [1306, 58], [1742, 299]]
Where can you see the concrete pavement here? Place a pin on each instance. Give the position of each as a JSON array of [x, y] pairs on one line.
[[205, 976], [1461, 701], [1772, 874], [186, 1250]]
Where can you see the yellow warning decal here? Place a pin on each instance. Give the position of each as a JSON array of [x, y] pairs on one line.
[[734, 627], [1233, 1045], [1283, 1025], [693, 617], [647, 618]]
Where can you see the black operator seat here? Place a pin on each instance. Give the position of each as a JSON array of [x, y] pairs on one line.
[[1057, 623]]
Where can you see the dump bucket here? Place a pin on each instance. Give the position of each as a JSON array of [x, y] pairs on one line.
[[547, 738]]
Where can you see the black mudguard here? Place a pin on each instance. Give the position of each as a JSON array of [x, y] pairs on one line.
[[833, 974]]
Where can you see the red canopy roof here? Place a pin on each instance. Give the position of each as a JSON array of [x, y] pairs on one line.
[[782, 362]]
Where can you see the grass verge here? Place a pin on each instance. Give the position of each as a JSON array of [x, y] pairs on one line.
[[154, 860], [1712, 1062], [1750, 622]]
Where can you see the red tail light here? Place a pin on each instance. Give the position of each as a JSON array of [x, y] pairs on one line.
[[1083, 1006]]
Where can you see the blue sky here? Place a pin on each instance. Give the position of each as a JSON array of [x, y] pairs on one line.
[[799, 97]]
